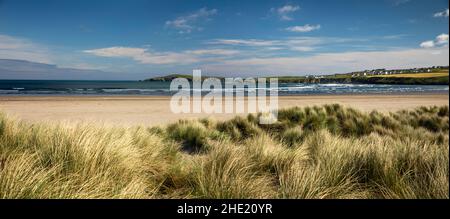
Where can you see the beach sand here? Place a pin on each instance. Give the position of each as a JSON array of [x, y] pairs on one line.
[[155, 110]]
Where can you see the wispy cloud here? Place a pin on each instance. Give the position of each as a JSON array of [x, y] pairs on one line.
[[23, 49], [189, 23], [298, 44], [145, 56], [303, 29], [441, 14], [399, 2], [274, 48], [223, 52], [292, 55], [222, 49], [245, 42], [303, 48], [291, 43], [394, 37], [285, 12], [440, 41]]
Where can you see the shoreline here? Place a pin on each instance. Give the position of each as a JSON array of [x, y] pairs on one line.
[[131, 110], [156, 96]]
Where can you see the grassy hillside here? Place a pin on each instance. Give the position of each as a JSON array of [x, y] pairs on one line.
[[170, 77], [173, 76], [370, 80], [440, 77], [315, 152], [433, 78], [403, 80]]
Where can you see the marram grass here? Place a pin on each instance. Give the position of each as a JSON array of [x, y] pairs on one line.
[[313, 153]]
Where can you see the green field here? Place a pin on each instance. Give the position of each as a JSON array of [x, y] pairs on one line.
[[414, 75], [313, 152]]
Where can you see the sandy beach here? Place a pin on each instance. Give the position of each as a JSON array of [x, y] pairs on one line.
[[155, 110]]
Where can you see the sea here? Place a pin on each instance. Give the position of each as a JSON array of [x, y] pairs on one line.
[[160, 88]]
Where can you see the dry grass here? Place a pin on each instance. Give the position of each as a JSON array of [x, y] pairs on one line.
[[313, 152]]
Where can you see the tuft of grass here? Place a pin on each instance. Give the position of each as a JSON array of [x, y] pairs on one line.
[[226, 173], [238, 128], [193, 135], [292, 137]]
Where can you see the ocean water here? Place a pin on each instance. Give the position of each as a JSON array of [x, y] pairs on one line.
[[57, 87]]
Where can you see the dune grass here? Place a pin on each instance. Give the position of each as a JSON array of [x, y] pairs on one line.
[[314, 152]]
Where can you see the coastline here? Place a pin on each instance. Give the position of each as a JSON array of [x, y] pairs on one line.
[[155, 110]]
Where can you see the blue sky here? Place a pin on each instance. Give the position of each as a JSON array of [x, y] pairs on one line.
[[136, 39]]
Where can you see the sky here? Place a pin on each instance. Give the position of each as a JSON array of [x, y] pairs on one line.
[[138, 39]]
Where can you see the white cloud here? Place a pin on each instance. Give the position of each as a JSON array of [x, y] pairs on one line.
[[23, 49], [144, 56], [334, 62], [441, 40], [442, 14], [288, 9], [427, 44], [304, 28], [285, 12], [188, 23]]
